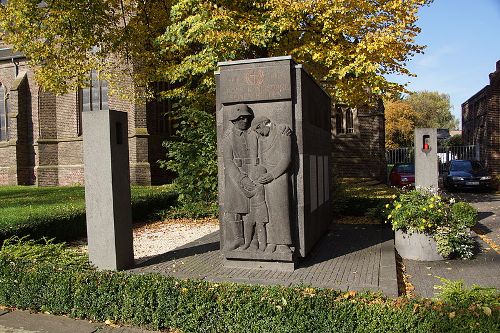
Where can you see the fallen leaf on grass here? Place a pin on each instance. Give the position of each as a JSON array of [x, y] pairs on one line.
[[486, 310]]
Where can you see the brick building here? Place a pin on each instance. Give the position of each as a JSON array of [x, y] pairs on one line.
[[41, 133], [358, 138], [481, 122]]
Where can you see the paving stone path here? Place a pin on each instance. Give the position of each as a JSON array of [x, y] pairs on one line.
[[349, 257], [25, 322]]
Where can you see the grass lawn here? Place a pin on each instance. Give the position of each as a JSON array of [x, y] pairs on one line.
[[41, 211]]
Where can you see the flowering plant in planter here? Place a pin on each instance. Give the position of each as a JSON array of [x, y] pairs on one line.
[[447, 221]]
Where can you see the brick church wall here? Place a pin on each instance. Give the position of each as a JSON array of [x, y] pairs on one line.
[[481, 122], [45, 145], [360, 154]]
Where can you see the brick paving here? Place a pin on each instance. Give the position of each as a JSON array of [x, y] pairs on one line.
[[349, 257], [18, 321]]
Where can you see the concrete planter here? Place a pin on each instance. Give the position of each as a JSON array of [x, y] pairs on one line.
[[417, 246]]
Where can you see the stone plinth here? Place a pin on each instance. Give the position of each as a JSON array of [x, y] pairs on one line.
[[426, 159], [107, 189], [273, 135], [416, 246]]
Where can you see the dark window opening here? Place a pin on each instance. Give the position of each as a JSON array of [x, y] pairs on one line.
[[349, 121], [339, 121], [160, 118], [79, 110], [4, 123]]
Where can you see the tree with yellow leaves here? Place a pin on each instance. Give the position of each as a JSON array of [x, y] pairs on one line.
[[348, 45], [424, 109], [400, 122]]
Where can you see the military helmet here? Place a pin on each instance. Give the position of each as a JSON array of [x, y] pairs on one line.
[[238, 110], [257, 121]]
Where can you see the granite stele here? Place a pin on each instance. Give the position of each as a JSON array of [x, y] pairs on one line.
[[426, 159], [107, 181], [273, 135]]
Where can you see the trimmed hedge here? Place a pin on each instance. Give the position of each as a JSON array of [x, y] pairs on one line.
[[158, 302], [60, 212]]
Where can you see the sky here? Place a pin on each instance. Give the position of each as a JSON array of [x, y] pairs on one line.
[[463, 46]]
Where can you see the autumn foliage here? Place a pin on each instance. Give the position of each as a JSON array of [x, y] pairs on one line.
[[423, 109], [349, 45]]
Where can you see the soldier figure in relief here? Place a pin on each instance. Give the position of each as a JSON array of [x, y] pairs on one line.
[[238, 186]]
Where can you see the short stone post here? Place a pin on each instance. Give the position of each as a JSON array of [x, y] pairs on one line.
[[107, 189], [426, 159]]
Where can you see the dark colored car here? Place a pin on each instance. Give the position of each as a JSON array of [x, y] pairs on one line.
[[402, 174], [467, 174]]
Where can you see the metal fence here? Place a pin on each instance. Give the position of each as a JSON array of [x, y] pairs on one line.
[[445, 155], [400, 155]]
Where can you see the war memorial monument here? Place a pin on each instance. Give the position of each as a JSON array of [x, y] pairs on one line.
[[273, 137]]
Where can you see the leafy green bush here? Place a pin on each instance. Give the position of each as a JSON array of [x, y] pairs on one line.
[[463, 214], [193, 210], [160, 302], [454, 242], [193, 157], [28, 252], [455, 292], [446, 221]]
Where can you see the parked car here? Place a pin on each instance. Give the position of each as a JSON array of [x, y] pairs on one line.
[[467, 174], [402, 174]]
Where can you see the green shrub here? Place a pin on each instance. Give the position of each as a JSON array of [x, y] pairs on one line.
[[446, 221], [463, 214], [193, 157], [453, 241], [23, 251], [159, 302], [193, 210], [455, 292], [151, 202]]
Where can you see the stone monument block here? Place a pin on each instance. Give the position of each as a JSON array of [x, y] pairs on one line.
[[273, 138], [426, 159], [107, 189]]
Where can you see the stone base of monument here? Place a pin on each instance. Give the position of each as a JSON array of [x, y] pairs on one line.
[[259, 260], [416, 246], [257, 264]]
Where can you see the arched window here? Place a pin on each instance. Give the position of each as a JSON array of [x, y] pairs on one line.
[[4, 124], [339, 121], [79, 110], [349, 121]]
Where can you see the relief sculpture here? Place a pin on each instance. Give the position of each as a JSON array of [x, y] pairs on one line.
[[257, 156]]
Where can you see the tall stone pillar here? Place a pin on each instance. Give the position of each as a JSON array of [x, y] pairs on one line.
[[426, 159], [107, 182], [107, 189]]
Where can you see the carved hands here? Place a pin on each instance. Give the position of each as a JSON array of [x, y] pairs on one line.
[[284, 130], [265, 178], [247, 184]]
